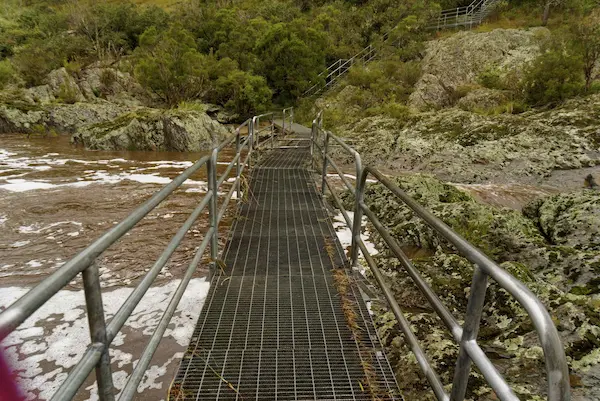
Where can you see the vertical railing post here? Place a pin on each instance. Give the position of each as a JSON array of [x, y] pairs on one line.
[[213, 212], [359, 197], [470, 330], [238, 166], [272, 129], [283, 127], [255, 130], [324, 176], [251, 140], [95, 313]]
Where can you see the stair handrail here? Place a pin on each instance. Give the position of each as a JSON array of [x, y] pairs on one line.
[[557, 371]]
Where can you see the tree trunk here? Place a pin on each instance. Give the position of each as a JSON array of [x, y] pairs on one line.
[[546, 13]]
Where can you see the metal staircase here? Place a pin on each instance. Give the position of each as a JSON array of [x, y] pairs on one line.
[[466, 16]]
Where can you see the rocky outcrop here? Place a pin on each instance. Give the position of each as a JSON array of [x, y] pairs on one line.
[[571, 219], [462, 146], [563, 276], [460, 59], [150, 129]]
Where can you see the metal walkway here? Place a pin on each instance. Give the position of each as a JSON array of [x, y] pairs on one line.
[[284, 319]]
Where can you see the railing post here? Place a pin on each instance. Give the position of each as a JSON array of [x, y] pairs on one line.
[[359, 197], [470, 330], [238, 167], [213, 212], [324, 177], [251, 140], [95, 313], [272, 129], [283, 126]]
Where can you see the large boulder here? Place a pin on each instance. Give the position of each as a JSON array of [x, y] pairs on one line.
[[64, 86], [150, 129], [460, 59]]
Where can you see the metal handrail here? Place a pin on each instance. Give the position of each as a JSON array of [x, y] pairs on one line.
[[102, 333], [470, 15], [465, 335]]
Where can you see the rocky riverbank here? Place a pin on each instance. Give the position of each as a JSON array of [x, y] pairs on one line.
[[553, 247], [105, 109]]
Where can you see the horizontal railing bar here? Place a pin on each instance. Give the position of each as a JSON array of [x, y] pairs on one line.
[[79, 373], [226, 143], [293, 147], [130, 389], [449, 320], [339, 204], [556, 365], [21, 309], [223, 208], [134, 298], [349, 185], [227, 171], [432, 377]]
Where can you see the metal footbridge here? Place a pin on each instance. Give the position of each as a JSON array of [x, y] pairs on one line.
[[286, 317]]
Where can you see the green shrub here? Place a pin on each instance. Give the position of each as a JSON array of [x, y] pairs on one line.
[[67, 93], [108, 78], [491, 79], [555, 75], [169, 65], [243, 93], [7, 74]]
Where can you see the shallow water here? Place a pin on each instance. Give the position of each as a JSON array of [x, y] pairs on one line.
[[56, 198]]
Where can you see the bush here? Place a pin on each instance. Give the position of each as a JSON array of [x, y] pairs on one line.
[[552, 77], [67, 93], [243, 93], [7, 74], [169, 65], [491, 79]]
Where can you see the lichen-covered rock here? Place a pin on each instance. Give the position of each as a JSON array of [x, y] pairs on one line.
[[571, 219], [482, 99], [461, 146], [64, 85], [556, 274], [150, 129], [461, 58]]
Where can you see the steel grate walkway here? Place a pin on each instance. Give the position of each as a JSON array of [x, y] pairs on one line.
[[277, 321]]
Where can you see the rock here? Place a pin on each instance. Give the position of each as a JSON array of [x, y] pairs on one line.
[[467, 147], [69, 118], [64, 87], [571, 219], [42, 94], [563, 277], [150, 129], [460, 59], [111, 84], [482, 99]]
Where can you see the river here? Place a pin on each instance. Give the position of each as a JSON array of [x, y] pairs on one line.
[[55, 199]]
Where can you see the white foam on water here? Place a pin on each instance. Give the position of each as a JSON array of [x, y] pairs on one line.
[[57, 335], [35, 228], [19, 244]]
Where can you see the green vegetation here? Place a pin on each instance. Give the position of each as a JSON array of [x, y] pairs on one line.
[[242, 55]]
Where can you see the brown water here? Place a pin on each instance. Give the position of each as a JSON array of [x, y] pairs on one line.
[[56, 198]]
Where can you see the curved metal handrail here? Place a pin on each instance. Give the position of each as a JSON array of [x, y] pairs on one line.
[[465, 336]]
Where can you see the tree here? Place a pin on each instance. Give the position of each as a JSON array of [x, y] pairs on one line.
[[169, 65], [555, 75], [292, 56], [587, 41], [243, 93]]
